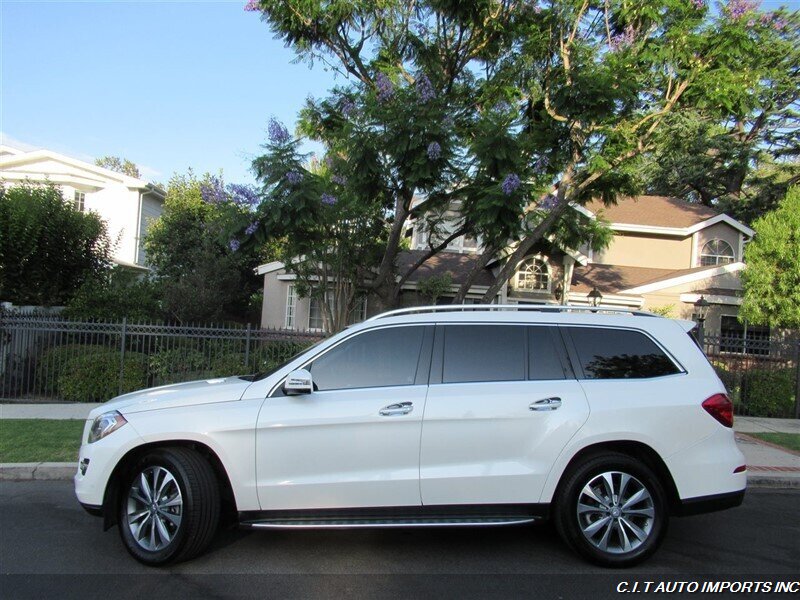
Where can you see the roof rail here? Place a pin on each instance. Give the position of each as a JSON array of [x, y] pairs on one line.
[[512, 307]]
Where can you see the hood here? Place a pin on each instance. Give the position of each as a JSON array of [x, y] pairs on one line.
[[191, 393]]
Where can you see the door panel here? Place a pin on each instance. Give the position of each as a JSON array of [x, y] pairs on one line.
[[481, 443], [334, 450], [354, 441], [491, 433]]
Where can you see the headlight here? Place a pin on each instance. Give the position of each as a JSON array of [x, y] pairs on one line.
[[104, 424]]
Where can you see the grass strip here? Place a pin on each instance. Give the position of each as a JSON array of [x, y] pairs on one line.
[[40, 440], [786, 440]]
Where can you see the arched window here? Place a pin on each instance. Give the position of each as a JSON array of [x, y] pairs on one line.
[[717, 252], [533, 275]]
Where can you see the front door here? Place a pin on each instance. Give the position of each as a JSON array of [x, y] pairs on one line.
[[502, 404], [354, 441]]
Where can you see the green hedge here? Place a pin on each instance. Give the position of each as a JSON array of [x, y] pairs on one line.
[[79, 373], [90, 373], [768, 393]]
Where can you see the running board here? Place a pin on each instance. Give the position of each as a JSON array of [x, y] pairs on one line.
[[341, 523]]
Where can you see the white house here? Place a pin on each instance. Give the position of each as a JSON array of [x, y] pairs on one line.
[[127, 204]]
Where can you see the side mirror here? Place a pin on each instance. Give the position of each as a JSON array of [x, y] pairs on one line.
[[298, 382]]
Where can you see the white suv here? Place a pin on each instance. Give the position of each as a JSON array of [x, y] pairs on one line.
[[607, 422]]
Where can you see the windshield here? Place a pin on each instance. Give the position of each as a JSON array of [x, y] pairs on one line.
[[265, 374]]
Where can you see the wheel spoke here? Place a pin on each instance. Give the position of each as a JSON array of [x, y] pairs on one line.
[[168, 479], [153, 532], [603, 543], [174, 501], [623, 483], [636, 498], [586, 508], [626, 542], [608, 482], [137, 496], [596, 526], [640, 533], [173, 518], [640, 512], [588, 491], [144, 487], [162, 531]]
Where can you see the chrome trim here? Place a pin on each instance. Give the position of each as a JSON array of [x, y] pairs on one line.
[[392, 524], [510, 307], [545, 404]]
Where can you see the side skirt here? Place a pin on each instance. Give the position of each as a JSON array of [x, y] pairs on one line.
[[396, 516]]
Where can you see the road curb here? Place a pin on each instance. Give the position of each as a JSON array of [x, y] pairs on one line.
[[39, 471], [49, 471], [762, 481]]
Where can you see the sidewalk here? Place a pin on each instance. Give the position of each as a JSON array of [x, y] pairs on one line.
[[767, 464]]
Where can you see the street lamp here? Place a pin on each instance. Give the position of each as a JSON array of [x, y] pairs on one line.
[[595, 296], [701, 310]]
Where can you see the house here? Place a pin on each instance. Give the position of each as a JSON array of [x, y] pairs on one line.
[[127, 204], [664, 255]]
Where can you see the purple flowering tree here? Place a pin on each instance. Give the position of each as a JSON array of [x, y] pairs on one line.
[[503, 114], [203, 248]]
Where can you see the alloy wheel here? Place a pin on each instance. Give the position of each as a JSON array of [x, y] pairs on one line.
[[615, 512], [154, 508]]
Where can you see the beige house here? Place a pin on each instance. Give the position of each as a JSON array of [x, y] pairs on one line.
[[665, 254]]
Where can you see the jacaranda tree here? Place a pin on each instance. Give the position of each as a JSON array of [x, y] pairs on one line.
[[501, 113]]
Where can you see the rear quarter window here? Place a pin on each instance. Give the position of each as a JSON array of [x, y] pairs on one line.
[[605, 353]]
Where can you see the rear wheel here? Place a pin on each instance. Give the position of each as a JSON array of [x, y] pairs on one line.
[[169, 506], [612, 510]]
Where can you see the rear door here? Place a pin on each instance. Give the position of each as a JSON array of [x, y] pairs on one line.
[[502, 403]]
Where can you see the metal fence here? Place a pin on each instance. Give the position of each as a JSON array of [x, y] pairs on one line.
[[762, 374], [49, 359]]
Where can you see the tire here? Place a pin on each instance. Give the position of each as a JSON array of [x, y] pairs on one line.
[[610, 528], [181, 520]]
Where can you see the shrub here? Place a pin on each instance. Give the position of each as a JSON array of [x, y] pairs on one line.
[[52, 363], [768, 393], [92, 375], [182, 363], [729, 379]]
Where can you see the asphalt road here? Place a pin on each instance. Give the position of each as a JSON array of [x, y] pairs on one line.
[[49, 547]]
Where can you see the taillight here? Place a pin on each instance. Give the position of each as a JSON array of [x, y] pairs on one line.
[[720, 407]]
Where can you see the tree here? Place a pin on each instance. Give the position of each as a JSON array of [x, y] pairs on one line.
[[120, 165], [47, 248], [197, 262], [506, 114], [739, 154], [435, 287], [772, 276]]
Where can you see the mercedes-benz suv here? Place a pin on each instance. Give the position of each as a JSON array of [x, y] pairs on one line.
[[608, 422]]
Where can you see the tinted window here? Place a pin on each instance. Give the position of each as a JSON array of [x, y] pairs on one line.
[[373, 359], [483, 353], [619, 354], [544, 360]]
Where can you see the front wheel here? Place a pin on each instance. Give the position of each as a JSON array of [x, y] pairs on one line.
[[612, 510], [169, 506]]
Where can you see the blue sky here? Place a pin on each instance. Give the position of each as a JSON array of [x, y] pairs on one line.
[[169, 85]]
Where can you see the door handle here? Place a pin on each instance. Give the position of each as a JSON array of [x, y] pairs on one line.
[[401, 408], [545, 404]]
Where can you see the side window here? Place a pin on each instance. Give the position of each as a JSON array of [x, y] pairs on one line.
[[379, 358], [483, 353], [544, 357], [619, 354]]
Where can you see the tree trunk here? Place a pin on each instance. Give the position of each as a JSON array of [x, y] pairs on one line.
[[479, 266]]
